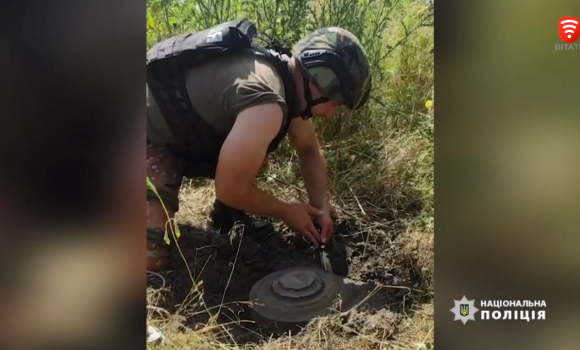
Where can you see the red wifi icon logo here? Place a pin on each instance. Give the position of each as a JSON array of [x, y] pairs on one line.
[[569, 29]]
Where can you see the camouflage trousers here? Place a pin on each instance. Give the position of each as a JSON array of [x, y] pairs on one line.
[[165, 172]]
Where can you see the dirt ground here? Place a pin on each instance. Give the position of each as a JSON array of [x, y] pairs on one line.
[[359, 254]]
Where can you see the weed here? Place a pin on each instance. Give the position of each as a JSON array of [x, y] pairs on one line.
[[380, 159]]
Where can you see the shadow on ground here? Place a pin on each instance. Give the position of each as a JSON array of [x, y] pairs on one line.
[[228, 267]]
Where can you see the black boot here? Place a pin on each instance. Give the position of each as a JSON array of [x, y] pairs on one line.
[[223, 217]]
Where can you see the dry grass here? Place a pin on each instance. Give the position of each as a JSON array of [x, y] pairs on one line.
[[380, 164], [363, 331]]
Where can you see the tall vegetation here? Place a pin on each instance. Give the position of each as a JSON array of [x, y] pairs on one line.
[[380, 158]]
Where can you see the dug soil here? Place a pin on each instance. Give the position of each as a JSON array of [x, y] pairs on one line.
[[227, 266]]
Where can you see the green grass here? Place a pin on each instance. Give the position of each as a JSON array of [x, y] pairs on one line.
[[380, 159]]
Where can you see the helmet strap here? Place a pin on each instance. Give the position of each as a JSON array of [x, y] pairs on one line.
[[307, 112]]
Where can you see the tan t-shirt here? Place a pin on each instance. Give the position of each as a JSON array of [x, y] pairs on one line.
[[220, 90]]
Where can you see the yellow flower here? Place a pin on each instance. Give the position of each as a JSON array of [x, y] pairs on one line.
[[428, 104]]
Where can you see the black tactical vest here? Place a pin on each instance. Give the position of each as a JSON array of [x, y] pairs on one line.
[[169, 60]]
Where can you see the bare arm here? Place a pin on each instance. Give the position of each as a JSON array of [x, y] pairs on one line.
[[312, 165], [241, 157]]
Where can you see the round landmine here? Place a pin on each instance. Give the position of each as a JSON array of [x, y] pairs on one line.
[[294, 296]]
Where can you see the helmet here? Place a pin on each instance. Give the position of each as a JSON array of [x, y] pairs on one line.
[[335, 61]]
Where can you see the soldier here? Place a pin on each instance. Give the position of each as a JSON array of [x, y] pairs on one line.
[[247, 103]]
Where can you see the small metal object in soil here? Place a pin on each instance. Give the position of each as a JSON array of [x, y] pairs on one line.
[[295, 295], [324, 259]]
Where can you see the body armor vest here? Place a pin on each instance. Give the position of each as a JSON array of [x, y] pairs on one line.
[[169, 60]]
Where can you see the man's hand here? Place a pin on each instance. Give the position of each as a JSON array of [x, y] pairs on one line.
[[326, 226], [313, 168], [299, 217]]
